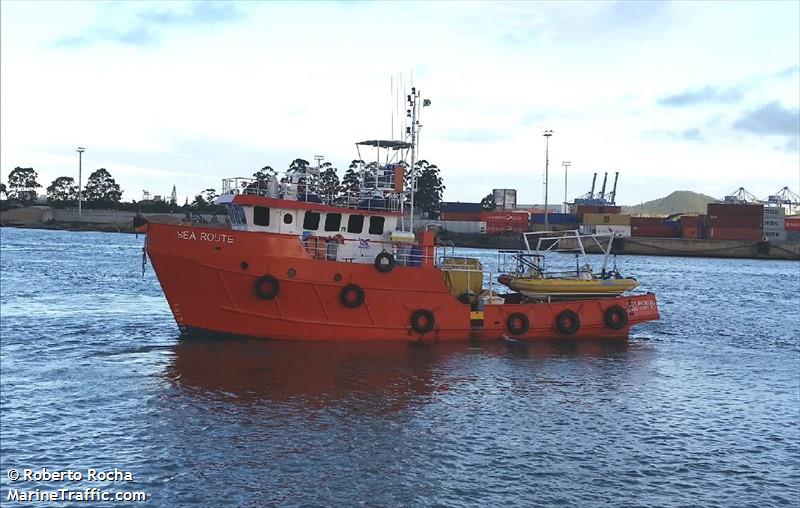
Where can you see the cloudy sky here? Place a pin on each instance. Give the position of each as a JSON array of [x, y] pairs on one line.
[[673, 95]]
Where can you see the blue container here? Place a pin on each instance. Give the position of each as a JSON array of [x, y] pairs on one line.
[[555, 218]]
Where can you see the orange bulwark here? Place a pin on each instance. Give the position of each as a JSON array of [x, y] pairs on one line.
[[280, 286]]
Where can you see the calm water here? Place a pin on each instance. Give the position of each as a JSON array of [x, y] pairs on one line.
[[699, 409]]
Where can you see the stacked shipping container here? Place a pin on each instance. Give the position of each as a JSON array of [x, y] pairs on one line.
[[655, 227], [774, 223], [500, 221], [735, 222]]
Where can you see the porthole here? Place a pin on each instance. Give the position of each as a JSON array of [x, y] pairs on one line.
[[288, 218]]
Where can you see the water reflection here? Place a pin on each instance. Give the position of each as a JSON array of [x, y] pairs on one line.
[[325, 373], [321, 372]]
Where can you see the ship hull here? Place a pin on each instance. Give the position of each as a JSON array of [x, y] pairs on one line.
[[209, 277]]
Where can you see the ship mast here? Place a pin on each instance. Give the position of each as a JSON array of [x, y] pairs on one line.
[[413, 101]]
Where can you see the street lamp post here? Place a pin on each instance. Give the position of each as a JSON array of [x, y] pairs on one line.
[[546, 135], [80, 151], [566, 165]]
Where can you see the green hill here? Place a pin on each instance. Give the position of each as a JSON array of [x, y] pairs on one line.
[[677, 202]]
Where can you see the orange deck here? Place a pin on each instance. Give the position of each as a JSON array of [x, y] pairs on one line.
[[209, 278]]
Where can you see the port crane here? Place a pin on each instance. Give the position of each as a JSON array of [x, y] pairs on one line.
[[600, 197], [741, 196]]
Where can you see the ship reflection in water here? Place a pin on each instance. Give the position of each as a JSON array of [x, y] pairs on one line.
[[322, 373]]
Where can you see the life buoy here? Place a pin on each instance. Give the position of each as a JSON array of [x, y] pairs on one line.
[[616, 318], [351, 296], [568, 322], [384, 262], [267, 287], [422, 321], [518, 323]]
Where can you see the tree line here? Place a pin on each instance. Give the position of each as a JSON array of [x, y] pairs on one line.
[[429, 184], [102, 191]]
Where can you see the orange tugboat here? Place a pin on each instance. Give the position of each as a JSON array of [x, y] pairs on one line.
[[298, 265]]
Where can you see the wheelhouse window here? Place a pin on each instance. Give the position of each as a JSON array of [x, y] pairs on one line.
[[261, 216], [333, 221], [355, 224], [236, 214], [376, 225], [311, 221], [288, 218]]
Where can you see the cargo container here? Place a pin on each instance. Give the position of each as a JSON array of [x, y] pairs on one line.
[[775, 222], [610, 219], [474, 227], [504, 199], [774, 211], [792, 223], [582, 209], [499, 221], [505, 216], [655, 222], [719, 233], [555, 218], [690, 232], [461, 216], [655, 231], [604, 229], [504, 227], [690, 221], [775, 236], [735, 221], [456, 210], [733, 209]]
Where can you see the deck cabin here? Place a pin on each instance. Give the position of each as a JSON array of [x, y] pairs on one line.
[[355, 227]]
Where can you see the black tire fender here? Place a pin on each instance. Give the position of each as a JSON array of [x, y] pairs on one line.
[[616, 317], [518, 323], [385, 262], [351, 296], [422, 321], [568, 322], [267, 287]]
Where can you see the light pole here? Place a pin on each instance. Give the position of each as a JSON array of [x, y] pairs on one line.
[[80, 151], [546, 135], [566, 165]]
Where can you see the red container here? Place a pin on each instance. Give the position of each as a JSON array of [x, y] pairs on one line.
[[462, 216], [496, 227], [792, 224], [735, 221], [505, 216], [690, 221], [731, 209], [716, 233], [691, 232], [655, 232], [647, 221]]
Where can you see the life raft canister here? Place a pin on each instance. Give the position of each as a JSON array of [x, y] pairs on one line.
[[351, 296], [422, 321], [267, 287], [384, 262], [616, 317], [518, 323], [568, 322]]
